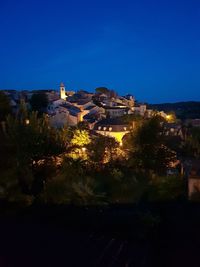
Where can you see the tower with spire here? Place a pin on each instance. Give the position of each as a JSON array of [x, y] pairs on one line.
[[62, 91]]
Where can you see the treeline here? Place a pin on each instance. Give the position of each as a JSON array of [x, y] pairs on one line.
[[183, 110]]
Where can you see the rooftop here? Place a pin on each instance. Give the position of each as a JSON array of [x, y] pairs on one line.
[[116, 125]]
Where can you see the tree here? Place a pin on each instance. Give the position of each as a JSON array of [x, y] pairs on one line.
[[5, 148], [103, 149], [5, 108], [165, 188], [83, 125], [79, 143], [102, 90], [80, 138], [147, 149], [73, 185], [112, 94], [34, 146], [132, 119], [39, 102], [191, 146]]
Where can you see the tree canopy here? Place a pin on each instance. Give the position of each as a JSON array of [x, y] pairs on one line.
[[39, 101], [102, 90], [147, 147], [5, 107]]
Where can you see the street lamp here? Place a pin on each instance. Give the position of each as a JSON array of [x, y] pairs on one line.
[[83, 149]]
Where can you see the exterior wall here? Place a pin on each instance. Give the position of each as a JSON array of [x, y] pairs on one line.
[[140, 110], [58, 120], [58, 102], [72, 120], [163, 114], [62, 92], [82, 114], [63, 118], [84, 106], [93, 110], [117, 135], [70, 93], [114, 113], [136, 110], [193, 186], [149, 113], [127, 102]]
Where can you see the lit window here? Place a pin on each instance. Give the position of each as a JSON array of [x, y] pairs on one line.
[[110, 128], [99, 128], [104, 128], [125, 128]]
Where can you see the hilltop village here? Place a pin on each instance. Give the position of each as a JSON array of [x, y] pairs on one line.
[[103, 111]]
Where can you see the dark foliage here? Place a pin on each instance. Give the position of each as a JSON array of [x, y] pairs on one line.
[[39, 102], [5, 108], [183, 110]]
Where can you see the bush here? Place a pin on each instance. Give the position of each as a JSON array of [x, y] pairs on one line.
[[165, 188]]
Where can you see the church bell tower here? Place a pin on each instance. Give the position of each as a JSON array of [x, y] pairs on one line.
[[62, 91]]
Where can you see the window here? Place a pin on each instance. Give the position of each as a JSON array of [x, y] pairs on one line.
[[104, 128], [125, 128], [99, 128], [110, 128]]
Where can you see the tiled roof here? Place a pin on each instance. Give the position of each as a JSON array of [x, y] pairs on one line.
[[116, 107], [115, 124], [90, 107], [72, 109]]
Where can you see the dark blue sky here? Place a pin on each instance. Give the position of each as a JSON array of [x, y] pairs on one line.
[[150, 48]]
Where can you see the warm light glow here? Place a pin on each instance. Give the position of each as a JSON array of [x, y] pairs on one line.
[[27, 122], [80, 138], [168, 117], [117, 135]]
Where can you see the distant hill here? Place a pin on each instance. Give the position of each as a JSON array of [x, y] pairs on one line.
[[183, 110]]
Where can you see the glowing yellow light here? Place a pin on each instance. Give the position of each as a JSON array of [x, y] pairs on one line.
[[168, 117], [27, 122], [80, 138], [117, 135]]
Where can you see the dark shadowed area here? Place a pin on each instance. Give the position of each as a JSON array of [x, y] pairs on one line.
[[164, 234]]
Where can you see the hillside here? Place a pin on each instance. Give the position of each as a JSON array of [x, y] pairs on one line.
[[183, 110]]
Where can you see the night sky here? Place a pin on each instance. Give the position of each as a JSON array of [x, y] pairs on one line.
[[145, 47]]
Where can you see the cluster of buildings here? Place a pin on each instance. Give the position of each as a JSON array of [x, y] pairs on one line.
[[103, 112]]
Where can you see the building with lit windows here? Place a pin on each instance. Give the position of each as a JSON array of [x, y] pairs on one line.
[[113, 127]]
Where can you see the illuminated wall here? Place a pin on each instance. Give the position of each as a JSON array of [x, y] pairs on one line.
[[62, 92], [117, 135]]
